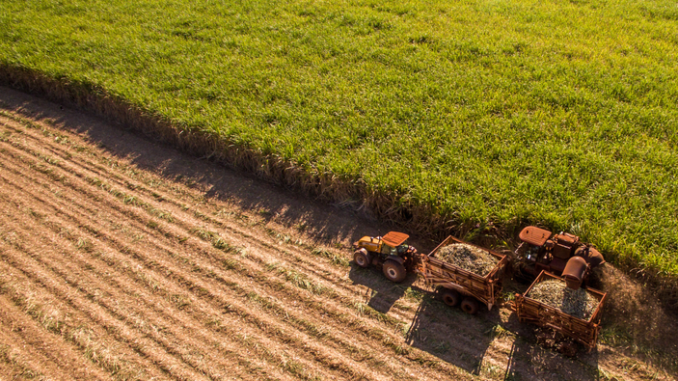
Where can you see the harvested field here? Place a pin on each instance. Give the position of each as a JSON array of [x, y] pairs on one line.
[[468, 257], [578, 303], [121, 259]]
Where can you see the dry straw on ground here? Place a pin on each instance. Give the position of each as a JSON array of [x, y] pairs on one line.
[[469, 258], [578, 303]]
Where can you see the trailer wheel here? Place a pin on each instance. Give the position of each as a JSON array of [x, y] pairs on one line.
[[394, 271], [470, 306], [361, 258], [450, 297]]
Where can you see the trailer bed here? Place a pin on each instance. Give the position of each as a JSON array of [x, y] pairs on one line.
[[583, 331], [437, 272]]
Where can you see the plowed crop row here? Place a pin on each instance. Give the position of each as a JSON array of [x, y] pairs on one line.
[[111, 271]]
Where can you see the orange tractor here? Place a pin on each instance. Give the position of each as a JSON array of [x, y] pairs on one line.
[[390, 252]]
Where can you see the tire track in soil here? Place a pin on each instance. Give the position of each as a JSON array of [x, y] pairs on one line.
[[252, 273]]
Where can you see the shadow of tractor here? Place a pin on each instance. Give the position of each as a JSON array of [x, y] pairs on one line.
[[382, 293]]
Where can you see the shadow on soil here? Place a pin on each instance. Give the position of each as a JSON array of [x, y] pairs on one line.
[[450, 334], [382, 293], [444, 332], [528, 360]]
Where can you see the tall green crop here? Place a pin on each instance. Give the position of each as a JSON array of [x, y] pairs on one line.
[[558, 112]]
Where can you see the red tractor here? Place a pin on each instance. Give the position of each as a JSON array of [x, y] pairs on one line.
[[561, 253], [389, 252]]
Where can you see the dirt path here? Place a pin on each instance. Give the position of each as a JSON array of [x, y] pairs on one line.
[[124, 259]]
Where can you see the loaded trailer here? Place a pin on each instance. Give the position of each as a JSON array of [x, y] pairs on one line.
[[582, 330], [458, 285]]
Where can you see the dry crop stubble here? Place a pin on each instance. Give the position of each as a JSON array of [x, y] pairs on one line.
[[171, 293], [81, 206], [183, 281]]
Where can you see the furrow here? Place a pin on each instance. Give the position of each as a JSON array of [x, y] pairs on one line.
[[191, 285], [43, 201], [54, 352], [100, 170], [103, 294], [90, 315]]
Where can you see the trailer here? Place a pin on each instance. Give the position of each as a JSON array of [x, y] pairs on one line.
[[553, 319], [459, 286]]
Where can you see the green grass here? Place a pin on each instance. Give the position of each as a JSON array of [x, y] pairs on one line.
[[557, 112]]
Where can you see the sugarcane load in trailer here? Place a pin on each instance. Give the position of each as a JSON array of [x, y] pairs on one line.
[[457, 285]]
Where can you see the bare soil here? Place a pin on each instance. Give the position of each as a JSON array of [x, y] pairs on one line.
[[125, 259]]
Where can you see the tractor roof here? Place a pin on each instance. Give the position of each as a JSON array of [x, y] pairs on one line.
[[534, 235], [394, 239]]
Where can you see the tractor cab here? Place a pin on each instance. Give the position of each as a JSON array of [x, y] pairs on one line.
[[391, 252], [561, 253]]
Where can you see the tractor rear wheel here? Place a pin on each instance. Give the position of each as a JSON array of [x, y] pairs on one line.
[[450, 297], [469, 305], [394, 271], [361, 258]]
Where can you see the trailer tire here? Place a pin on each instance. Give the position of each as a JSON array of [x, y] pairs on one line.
[[469, 305], [450, 297], [394, 271], [362, 258]]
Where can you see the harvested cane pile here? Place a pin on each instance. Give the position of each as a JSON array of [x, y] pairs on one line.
[[578, 303], [469, 258]]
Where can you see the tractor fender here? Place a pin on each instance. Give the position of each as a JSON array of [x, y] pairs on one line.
[[396, 258], [363, 250]]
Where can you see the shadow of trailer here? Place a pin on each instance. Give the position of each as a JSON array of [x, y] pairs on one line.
[[459, 286], [560, 326]]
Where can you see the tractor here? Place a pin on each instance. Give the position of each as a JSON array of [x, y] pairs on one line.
[[561, 253], [389, 252]]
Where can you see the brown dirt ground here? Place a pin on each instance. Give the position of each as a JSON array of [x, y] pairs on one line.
[[125, 259]]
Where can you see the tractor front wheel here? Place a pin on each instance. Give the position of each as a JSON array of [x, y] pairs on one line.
[[361, 258], [394, 271]]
